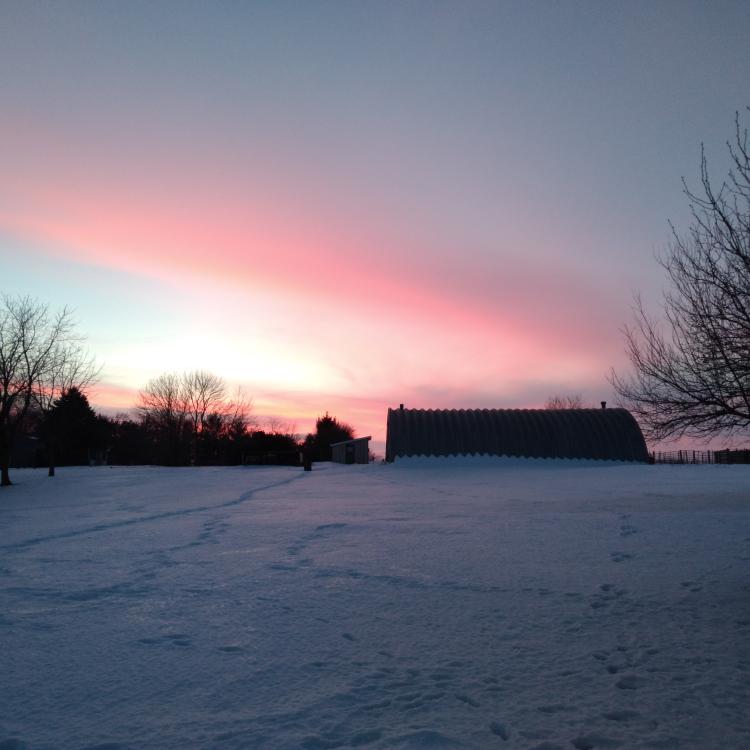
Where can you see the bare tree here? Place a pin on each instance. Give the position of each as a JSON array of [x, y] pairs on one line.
[[691, 373], [163, 412], [204, 393], [277, 426], [565, 402], [32, 341], [180, 410], [162, 400], [239, 413]]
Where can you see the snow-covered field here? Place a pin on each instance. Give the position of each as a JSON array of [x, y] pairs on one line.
[[424, 604]]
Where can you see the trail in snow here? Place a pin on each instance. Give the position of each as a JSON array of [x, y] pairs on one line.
[[419, 605], [244, 497]]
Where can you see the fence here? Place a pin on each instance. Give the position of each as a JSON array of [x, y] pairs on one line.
[[701, 457]]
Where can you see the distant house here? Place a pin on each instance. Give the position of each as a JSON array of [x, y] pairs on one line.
[[605, 434], [354, 451]]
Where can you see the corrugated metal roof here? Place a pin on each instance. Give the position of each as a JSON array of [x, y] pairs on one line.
[[606, 434]]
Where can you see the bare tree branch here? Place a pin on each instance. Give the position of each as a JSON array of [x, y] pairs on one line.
[[691, 374], [574, 401]]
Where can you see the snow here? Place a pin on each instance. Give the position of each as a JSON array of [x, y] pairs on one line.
[[424, 604]]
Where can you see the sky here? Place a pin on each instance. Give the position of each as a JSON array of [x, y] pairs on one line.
[[344, 206]]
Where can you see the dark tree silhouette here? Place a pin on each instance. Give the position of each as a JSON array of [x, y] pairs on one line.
[[204, 396], [71, 369], [691, 374], [73, 430], [565, 402], [129, 441], [163, 413], [262, 446], [328, 430], [190, 418]]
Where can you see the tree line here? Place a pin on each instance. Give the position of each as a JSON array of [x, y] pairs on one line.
[[186, 419]]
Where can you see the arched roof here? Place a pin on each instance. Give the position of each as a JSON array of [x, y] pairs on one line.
[[605, 434]]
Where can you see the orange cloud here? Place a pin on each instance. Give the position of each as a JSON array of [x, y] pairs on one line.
[[111, 398]]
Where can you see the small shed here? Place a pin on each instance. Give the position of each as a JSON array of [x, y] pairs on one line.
[[354, 451]]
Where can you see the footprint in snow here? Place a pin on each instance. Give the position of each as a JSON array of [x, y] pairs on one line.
[[175, 639], [554, 708], [408, 697], [630, 682], [625, 715], [620, 556], [319, 743], [365, 738], [593, 741], [500, 730], [424, 738], [348, 636], [378, 706], [692, 586]]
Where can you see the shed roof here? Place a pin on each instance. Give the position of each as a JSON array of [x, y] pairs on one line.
[[352, 440], [606, 434]]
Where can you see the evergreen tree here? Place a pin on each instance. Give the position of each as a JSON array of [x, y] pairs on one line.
[[71, 431], [329, 430]]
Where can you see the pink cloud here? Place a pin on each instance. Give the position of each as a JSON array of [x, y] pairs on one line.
[[387, 313], [110, 398]]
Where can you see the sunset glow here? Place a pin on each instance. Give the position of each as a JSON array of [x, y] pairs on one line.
[[343, 208]]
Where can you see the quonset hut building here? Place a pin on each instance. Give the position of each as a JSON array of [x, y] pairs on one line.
[[603, 434]]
